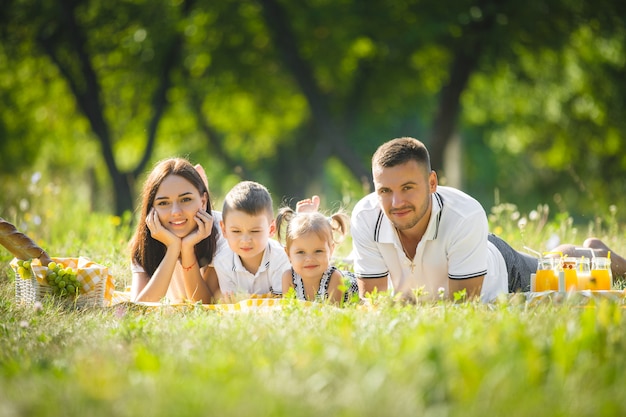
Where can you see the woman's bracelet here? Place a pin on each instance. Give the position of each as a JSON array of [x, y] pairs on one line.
[[187, 268]]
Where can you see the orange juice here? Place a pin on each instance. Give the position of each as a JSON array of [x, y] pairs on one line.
[[571, 279], [600, 279], [545, 280], [585, 281]]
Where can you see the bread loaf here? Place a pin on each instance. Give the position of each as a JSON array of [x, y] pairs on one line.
[[20, 245]]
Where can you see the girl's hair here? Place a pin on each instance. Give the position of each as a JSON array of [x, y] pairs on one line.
[[291, 225], [149, 252]]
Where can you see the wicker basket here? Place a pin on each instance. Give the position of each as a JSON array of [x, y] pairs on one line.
[[35, 288]]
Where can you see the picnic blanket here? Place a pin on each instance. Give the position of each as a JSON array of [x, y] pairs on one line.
[[248, 304]]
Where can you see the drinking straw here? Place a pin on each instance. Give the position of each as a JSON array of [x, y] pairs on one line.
[[533, 251], [593, 253], [554, 253], [582, 258]]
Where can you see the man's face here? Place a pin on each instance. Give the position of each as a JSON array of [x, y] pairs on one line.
[[404, 193]]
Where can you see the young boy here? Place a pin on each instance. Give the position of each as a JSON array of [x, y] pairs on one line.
[[254, 262]]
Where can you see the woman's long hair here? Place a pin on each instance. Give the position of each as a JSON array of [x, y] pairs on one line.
[[149, 252]]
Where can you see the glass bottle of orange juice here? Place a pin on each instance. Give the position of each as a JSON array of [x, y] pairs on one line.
[[569, 266], [545, 277], [601, 276], [583, 274]]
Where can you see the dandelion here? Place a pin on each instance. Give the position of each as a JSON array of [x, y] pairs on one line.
[[533, 215], [120, 311], [34, 179], [522, 223]]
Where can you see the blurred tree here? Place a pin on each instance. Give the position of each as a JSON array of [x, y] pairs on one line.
[[103, 52], [281, 92]]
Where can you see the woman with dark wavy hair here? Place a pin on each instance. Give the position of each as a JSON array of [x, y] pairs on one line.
[[176, 237]]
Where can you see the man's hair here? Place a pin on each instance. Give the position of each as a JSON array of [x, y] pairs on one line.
[[399, 151], [249, 197]]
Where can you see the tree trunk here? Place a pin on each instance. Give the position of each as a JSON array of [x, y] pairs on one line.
[[327, 134], [464, 63], [84, 84]]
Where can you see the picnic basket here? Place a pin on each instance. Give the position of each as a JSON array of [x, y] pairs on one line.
[[97, 285]]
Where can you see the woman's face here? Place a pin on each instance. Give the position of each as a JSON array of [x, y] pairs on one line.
[[176, 202]]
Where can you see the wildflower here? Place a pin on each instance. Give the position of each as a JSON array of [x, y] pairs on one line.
[[522, 223], [38, 307], [23, 324], [442, 292], [34, 179], [533, 215], [120, 312]]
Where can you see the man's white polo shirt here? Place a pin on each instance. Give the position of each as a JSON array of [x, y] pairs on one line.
[[454, 246], [235, 278]]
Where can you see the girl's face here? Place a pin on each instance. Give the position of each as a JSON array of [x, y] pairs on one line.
[[176, 202], [310, 255]]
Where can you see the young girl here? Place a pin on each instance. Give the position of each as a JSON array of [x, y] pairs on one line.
[[176, 237], [310, 239]]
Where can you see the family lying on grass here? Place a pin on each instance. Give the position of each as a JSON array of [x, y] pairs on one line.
[[410, 236]]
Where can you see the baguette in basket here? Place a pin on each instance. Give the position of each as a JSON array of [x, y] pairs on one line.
[[20, 245]]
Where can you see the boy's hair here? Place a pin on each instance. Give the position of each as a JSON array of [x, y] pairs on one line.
[[249, 197], [399, 151], [331, 229]]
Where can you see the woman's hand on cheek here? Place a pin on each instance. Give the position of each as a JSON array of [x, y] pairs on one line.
[[158, 231], [204, 220]]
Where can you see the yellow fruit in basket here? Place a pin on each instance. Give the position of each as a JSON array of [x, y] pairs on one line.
[[63, 280], [23, 272], [23, 268]]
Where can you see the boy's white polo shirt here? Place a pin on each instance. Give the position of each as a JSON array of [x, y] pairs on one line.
[[454, 246], [235, 278]]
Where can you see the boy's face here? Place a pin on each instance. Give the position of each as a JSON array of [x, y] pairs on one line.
[[247, 235]]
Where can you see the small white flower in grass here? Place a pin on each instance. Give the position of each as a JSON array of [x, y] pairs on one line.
[[533, 215], [38, 306], [442, 292], [34, 179], [522, 223], [23, 324]]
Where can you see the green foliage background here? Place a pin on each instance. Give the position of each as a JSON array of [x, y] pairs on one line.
[[298, 96]]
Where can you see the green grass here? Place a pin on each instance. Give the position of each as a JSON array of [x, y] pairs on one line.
[[440, 359]]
